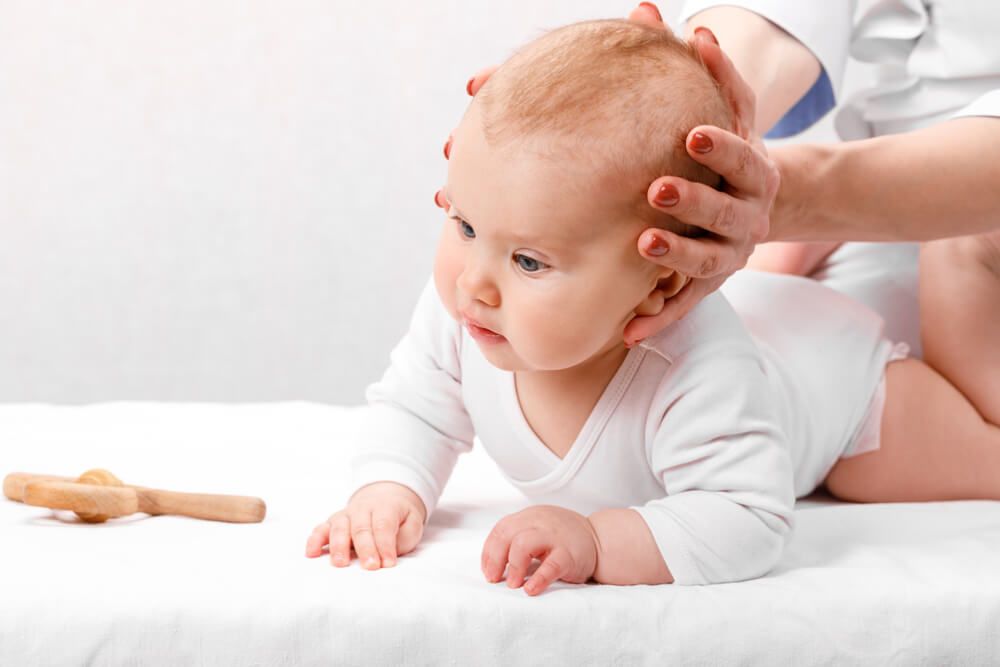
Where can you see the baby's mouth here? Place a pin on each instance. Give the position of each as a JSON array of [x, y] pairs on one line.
[[481, 333]]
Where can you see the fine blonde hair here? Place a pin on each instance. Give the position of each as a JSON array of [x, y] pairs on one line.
[[619, 95]]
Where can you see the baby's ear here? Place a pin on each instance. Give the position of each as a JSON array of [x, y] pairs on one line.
[[666, 288]]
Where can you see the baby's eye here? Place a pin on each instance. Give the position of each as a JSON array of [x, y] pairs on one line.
[[529, 264], [466, 229]]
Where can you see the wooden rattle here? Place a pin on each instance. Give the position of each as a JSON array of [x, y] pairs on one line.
[[97, 495]]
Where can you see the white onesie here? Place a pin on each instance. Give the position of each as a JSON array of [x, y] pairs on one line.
[[707, 435]]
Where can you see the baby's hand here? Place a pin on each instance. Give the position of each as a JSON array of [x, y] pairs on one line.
[[563, 540], [383, 520]]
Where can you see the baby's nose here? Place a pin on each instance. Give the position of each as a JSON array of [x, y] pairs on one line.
[[479, 286]]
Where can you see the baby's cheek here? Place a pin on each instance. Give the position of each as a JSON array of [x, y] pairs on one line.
[[560, 336], [447, 268]]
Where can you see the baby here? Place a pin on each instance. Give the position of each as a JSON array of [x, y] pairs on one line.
[[675, 460]]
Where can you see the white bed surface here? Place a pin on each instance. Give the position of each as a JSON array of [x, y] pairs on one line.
[[908, 584]]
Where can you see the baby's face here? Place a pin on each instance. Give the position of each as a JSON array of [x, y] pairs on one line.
[[538, 258]]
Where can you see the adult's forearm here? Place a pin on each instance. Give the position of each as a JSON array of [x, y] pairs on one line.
[[777, 67], [627, 553], [932, 183]]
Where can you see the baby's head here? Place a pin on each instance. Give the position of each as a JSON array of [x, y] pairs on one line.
[[547, 182]]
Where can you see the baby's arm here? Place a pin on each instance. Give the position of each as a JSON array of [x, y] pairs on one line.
[[412, 431], [627, 552], [723, 462], [721, 456]]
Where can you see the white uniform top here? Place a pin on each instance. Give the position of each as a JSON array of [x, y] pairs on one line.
[[937, 59], [707, 435]]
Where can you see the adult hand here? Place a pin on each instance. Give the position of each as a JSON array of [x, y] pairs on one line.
[[563, 540], [737, 218]]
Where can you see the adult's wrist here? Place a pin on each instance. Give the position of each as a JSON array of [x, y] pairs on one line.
[[807, 196]]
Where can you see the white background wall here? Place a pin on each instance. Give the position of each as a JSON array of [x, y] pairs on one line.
[[227, 200]]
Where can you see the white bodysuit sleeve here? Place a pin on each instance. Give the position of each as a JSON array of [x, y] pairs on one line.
[[986, 105], [720, 454], [415, 424], [822, 27]]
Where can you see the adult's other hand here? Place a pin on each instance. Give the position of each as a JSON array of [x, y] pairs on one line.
[[736, 218]]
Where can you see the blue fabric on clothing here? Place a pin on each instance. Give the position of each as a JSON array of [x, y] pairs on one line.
[[814, 105]]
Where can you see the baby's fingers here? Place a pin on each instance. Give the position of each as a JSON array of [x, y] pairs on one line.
[[385, 524], [523, 548], [340, 540], [495, 549], [317, 540], [364, 541], [552, 569], [410, 532]]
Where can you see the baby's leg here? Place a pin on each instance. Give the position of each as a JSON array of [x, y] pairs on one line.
[[940, 437], [960, 316], [934, 445]]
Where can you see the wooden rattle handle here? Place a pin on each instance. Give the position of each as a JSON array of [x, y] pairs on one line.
[[92, 503], [98, 495], [214, 507], [14, 483]]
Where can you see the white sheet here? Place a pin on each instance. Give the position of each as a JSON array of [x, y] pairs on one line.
[[879, 584]]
